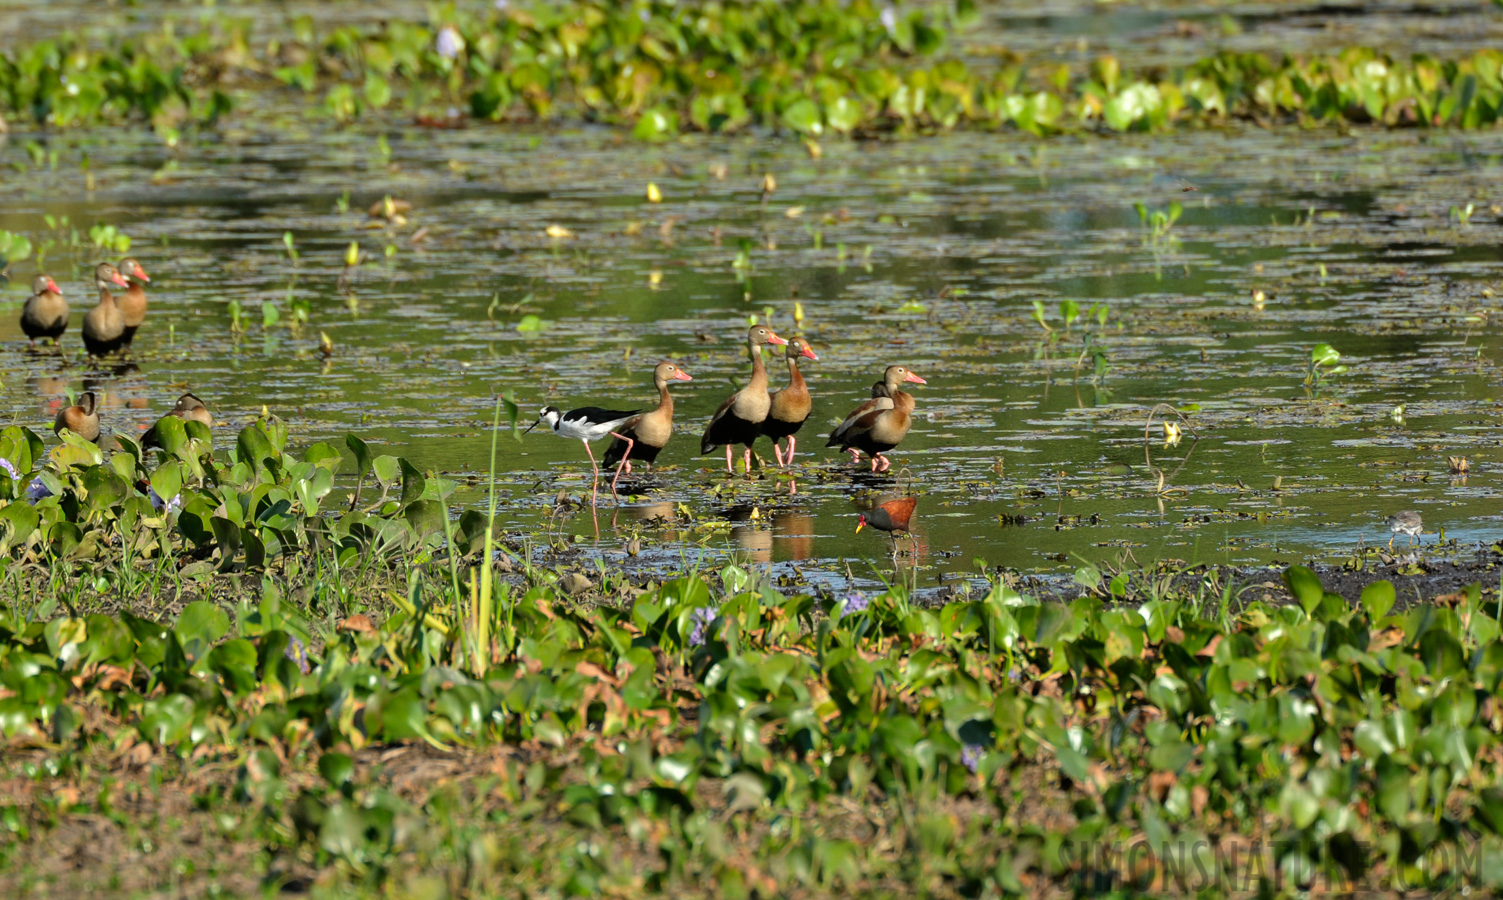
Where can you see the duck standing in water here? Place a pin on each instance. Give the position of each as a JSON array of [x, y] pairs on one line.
[[104, 325], [133, 302], [644, 436], [790, 407], [45, 314], [880, 424], [739, 419]]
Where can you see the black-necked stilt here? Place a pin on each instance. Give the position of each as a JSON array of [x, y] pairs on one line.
[[790, 406], [1406, 522], [879, 424], [586, 424], [45, 314], [644, 437], [740, 417], [104, 326]]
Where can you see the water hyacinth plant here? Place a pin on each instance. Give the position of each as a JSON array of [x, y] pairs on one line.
[[808, 68]]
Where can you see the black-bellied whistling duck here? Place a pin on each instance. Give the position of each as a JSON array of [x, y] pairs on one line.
[[644, 436], [133, 302], [104, 326], [45, 314], [585, 424], [879, 424], [740, 417], [893, 517], [82, 418], [790, 406], [188, 408]]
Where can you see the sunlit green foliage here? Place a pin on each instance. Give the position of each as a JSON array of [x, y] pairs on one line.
[[811, 67]]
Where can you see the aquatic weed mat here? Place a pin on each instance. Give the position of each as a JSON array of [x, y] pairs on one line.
[[780, 745]]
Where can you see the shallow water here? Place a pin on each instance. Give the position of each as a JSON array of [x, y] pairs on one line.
[[927, 252]]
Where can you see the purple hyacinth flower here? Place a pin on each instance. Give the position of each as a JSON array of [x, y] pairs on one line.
[[296, 652], [37, 490], [160, 505], [450, 42], [851, 604], [970, 756], [8, 466], [702, 618]]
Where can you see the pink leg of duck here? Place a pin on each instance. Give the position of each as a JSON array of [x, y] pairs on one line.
[[728, 467], [792, 444], [746, 459], [778, 452]]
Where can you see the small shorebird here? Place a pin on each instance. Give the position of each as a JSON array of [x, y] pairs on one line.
[[879, 424], [1406, 522], [643, 437], [586, 424], [893, 517]]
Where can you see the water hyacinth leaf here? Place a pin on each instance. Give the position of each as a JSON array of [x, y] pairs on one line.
[[413, 482], [21, 447], [104, 487], [803, 117], [426, 517], [166, 721], [200, 625], [227, 535], [253, 446], [167, 480], [20, 521], [170, 434], [325, 456], [362, 454], [336, 768], [1377, 599], [1305, 586], [656, 124]]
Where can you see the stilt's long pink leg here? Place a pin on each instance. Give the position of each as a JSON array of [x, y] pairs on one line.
[[625, 460], [595, 467]]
